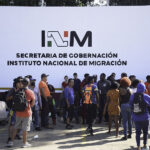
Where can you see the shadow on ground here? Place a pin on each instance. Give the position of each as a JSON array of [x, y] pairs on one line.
[[67, 139]]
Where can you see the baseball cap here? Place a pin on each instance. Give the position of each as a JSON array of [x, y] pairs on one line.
[[44, 75]]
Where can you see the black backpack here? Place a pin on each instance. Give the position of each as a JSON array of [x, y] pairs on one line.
[[139, 105], [20, 102]]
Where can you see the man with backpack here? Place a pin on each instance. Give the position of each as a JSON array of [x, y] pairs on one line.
[[139, 103], [90, 100], [23, 100], [12, 114]]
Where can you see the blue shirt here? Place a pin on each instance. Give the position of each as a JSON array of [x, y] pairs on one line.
[[69, 95], [95, 83], [94, 90]]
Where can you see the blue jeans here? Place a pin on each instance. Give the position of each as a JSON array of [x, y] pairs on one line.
[[126, 116], [36, 118], [141, 125]]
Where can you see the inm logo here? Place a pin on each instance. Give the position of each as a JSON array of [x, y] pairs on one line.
[[67, 39]]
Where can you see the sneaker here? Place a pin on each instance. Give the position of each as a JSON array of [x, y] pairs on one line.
[[10, 144], [38, 129], [145, 148], [129, 136], [89, 131], [124, 138], [26, 145]]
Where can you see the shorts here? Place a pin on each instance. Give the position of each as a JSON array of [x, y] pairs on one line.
[[23, 123], [12, 118]]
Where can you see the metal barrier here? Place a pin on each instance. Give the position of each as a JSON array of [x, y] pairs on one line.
[[7, 88]]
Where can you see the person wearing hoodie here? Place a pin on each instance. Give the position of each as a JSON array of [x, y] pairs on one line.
[[139, 103]]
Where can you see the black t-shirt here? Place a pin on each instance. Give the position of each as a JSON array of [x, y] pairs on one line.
[[103, 86], [124, 95]]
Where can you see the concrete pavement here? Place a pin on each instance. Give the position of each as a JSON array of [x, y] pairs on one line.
[[76, 139]]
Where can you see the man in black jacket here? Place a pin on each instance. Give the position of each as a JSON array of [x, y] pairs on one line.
[[103, 87]]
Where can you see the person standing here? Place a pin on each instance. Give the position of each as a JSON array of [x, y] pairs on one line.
[[12, 114], [111, 78], [38, 104], [62, 103], [85, 80], [113, 103], [77, 93], [69, 103], [95, 79], [83, 109], [122, 76], [65, 82], [45, 96], [52, 104], [139, 103], [147, 84], [125, 93], [103, 87], [24, 117], [132, 78], [133, 86], [90, 99]]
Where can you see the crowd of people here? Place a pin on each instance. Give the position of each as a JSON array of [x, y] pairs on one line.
[[125, 101]]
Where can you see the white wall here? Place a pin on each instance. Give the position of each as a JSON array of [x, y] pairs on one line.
[[122, 30]]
